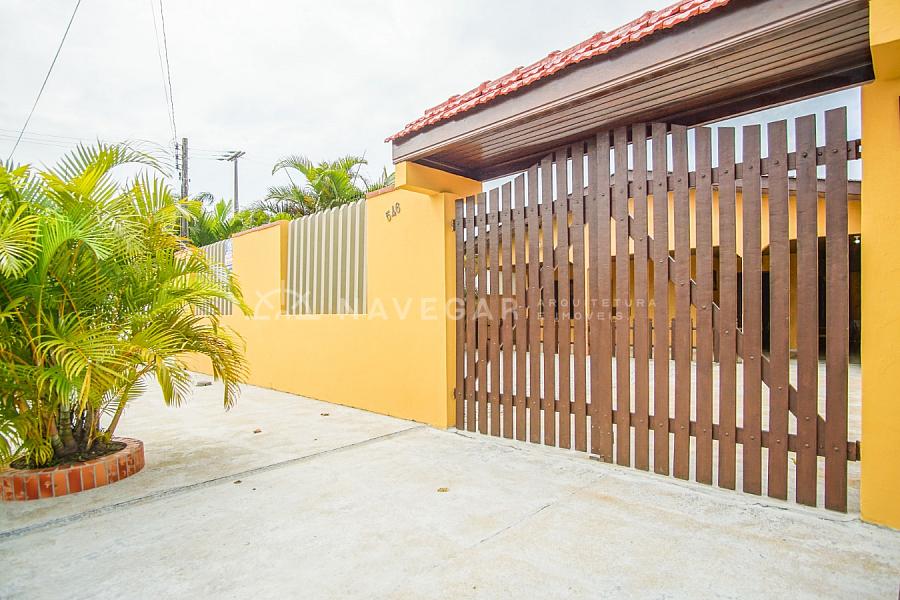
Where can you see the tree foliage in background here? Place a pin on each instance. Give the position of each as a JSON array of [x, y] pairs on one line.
[[384, 180], [99, 295], [321, 186], [214, 220]]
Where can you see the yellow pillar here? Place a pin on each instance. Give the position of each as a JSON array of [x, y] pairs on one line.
[[880, 480], [260, 256], [444, 189]]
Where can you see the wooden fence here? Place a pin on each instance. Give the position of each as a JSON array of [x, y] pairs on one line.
[[327, 262], [219, 254], [610, 391]]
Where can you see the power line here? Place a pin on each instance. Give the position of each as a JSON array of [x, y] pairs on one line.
[[46, 78], [162, 71], [38, 134], [28, 140], [163, 161], [68, 140], [162, 19]]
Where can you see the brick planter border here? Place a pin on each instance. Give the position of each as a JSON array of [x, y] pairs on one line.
[[32, 484]]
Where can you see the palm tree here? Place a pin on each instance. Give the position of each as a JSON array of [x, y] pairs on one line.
[[99, 295], [212, 224], [214, 220], [323, 185], [385, 180]]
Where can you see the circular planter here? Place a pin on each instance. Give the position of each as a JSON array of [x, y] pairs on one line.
[[32, 484]]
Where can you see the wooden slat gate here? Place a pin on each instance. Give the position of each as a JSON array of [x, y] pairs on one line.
[[564, 343]]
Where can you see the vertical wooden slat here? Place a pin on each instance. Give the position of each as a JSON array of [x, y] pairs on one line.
[[315, 243], [309, 265], [521, 323], [578, 295], [660, 301], [349, 292], [459, 390], [330, 292], [600, 298], [215, 258], [353, 250], [297, 285], [305, 265], [292, 266], [727, 309], [471, 313], [534, 308], [358, 273], [641, 301], [549, 302], [359, 260], [340, 260], [704, 385], [334, 259], [564, 321], [297, 288], [779, 311], [362, 282], [506, 307], [321, 261], [325, 260], [226, 244], [312, 264], [682, 336], [210, 257], [482, 311], [494, 308], [752, 308], [623, 316], [808, 313], [321, 258], [837, 310], [221, 259], [338, 265], [349, 250]]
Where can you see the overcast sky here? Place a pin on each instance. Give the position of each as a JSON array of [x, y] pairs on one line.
[[274, 78]]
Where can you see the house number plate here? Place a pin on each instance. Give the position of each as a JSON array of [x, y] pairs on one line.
[[392, 212]]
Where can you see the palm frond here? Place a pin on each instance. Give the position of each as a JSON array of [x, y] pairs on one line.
[[98, 295], [19, 244]]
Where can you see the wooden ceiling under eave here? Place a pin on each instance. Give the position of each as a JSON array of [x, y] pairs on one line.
[[756, 54]]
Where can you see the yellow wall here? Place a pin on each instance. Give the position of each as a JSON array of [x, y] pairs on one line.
[[880, 475], [398, 358]]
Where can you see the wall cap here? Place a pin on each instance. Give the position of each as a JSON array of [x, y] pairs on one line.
[[260, 228]]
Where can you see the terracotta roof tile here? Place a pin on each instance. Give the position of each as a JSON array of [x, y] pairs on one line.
[[597, 45]]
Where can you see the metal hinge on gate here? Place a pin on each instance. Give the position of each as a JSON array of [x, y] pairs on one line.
[[453, 224]]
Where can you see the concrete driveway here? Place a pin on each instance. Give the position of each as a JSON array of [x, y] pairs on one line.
[[328, 501]]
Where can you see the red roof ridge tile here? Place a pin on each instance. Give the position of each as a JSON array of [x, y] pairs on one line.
[[597, 45]]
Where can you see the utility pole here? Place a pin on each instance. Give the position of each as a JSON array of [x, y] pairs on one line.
[[184, 181], [233, 157]]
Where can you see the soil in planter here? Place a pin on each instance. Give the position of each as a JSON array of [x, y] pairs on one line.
[[99, 449]]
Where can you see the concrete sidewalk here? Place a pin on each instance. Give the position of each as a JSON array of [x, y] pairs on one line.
[[329, 501]]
